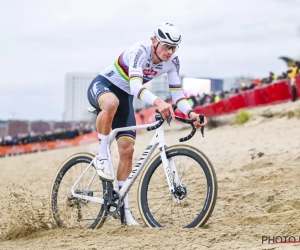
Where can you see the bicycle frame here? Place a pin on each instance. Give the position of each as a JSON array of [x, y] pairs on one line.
[[157, 140]]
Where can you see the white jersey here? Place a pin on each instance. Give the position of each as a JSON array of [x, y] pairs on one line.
[[134, 67]]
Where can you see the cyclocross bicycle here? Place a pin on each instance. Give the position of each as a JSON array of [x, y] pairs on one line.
[[178, 186]]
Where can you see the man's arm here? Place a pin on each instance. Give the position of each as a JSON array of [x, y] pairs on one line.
[[175, 87], [136, 60], [178, 96]]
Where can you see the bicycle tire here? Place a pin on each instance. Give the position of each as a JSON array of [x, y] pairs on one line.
[[62, 170], [211, 182]]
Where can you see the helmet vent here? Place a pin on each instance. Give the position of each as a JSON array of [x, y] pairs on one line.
[[173, 40], [161, 34]]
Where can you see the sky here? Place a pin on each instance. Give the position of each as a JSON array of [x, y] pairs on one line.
[[41, 41]]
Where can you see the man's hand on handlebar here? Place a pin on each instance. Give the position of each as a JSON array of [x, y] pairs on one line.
[[164, 108], [166, 112], [194, 116]]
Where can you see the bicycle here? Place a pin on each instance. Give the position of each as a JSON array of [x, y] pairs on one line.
[[88, 205]]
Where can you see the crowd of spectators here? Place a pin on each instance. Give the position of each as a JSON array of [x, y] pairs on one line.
[[51, 135]]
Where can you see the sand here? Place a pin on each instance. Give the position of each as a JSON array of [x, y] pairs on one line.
[[257, 166]]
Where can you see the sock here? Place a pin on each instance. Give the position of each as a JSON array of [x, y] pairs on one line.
[[126, 199], [102, 146]]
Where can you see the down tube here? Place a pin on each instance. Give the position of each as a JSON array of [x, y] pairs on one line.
[[138, 167]]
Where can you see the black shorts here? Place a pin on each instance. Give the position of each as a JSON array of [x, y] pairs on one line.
[[124, 116]]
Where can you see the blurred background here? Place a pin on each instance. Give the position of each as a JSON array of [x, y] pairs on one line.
[[52, 49]]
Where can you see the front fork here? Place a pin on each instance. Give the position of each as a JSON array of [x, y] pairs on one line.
[[169, 167]]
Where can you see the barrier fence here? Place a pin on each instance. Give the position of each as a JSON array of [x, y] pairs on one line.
[[43, 146], [273, 93]]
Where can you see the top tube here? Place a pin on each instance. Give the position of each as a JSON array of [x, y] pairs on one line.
[[116, 130]]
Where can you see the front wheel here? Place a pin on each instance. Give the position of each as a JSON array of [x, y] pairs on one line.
[[195, 194]]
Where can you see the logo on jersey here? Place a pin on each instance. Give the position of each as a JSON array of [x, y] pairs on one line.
[[111, 73], [143, 47], [95, 89], [176, 62], [137, 57], [159, 66], [149, 72]]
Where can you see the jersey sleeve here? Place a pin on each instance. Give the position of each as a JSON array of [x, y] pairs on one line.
[[175, 87], [136, 59]]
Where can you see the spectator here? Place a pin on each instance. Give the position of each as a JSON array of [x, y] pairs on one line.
[[292, 73]]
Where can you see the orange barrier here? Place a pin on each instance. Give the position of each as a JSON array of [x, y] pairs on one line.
[[43, 146]]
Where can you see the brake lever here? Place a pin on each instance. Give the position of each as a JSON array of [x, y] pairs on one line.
[[169, 118], [202, 121]]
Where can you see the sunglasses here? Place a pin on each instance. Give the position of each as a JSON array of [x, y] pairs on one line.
[[168, 47]]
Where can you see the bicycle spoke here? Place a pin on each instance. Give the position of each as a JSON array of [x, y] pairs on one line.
[[161, 198], [166, 207], [159, 207]]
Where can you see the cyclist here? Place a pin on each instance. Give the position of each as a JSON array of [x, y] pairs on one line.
[[113, 90]]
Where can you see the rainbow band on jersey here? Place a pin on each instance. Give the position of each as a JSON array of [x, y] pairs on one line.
[[183, 105], [141, 92], [125, 136], [180, 100], [175, 87], [123, 70], [135, 77], [103, 94]]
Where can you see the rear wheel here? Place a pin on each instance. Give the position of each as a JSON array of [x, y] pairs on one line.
[[69, 211], [194, 198]]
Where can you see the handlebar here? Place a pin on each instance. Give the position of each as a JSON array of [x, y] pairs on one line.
[[160, 120]]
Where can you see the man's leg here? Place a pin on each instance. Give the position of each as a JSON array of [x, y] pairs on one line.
[[126, 149], [108, 104]]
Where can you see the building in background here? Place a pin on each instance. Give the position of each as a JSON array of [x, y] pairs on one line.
[[3, 128], [76, 102], [199, 85]]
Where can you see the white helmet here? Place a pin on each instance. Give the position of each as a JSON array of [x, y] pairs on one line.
[[167, 33]]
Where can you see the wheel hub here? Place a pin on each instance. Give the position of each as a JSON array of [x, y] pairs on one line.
[[78, 202], [180, 193]]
